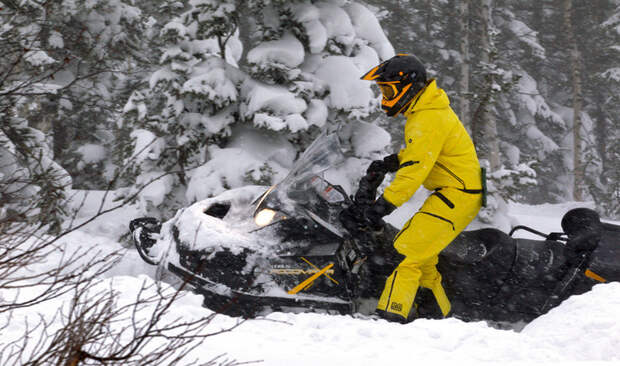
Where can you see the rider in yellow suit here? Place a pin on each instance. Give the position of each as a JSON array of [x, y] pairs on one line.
[[438, 154]]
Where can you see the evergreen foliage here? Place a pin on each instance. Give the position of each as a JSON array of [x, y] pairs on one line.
[[210, 89], [122, 93], [531, 94]]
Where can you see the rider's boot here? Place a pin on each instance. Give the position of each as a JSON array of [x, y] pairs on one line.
[[426, 304], [392, 317]]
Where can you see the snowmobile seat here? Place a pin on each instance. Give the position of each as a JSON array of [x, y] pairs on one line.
[[612, 228], [474, 246], [605, 261]]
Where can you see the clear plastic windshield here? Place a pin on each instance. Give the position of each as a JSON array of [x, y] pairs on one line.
[[306, 175], [322, 154]]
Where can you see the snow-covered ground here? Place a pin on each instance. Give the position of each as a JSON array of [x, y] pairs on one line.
[[583, 328]]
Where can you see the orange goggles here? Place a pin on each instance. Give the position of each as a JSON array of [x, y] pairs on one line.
[[388, 89]]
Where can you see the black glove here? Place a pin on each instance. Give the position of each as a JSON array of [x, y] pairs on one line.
[[376, 169], [582, 244], [367, 190], [375, 213], [352, 218], [391, 163]]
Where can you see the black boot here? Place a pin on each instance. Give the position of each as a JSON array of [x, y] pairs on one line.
[[391, 317], [426, 304]]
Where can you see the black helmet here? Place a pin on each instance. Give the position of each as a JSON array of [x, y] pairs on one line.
[[400, 79]]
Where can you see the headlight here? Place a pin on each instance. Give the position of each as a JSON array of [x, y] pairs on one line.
[[264, 217]]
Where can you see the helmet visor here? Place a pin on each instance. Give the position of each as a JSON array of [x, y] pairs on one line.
[[388, 90]]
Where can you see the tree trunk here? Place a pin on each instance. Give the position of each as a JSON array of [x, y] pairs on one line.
[[575, 61], [485, 129], [245, 32], [463, 16]]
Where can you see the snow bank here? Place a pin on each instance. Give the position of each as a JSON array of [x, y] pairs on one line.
[[583, 328], [586, 327]]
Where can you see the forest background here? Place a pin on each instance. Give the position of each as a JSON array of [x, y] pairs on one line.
[[151, 99]]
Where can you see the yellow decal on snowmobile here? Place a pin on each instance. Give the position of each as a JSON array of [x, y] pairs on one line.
[[594, 276], [310, 279], [327, 274]]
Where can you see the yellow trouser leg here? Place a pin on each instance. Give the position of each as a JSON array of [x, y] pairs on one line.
[[426, 234], [400, 289], [402, 286], [431, 279]]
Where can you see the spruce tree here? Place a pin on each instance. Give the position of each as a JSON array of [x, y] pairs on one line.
[[276, 70], [64, 68]]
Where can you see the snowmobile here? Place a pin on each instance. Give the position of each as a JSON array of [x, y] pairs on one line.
[[290, 250]]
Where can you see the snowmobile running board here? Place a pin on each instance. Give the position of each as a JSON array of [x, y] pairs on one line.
[[236, 303]]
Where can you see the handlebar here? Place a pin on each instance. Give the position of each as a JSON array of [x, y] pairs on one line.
[[551, 236]]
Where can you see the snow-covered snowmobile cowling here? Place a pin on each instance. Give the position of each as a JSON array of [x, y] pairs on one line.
[[284, 248]]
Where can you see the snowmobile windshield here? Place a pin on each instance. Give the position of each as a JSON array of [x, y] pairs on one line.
[[322, 154], [304, 180]]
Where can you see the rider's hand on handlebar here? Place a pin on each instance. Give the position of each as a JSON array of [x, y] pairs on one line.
[[379, 168], [391, 163], [374, 214], [583, 243], [376, 170]]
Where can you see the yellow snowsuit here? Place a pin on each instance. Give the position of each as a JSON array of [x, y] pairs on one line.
[[439, 154]]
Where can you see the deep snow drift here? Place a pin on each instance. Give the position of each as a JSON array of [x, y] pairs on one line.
[[583, 328]]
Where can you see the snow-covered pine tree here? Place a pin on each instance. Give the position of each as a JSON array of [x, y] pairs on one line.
[[518, 107], [303, 61], [214, 100], [187, 102], [33, 188], [64, 66], [74, 69], [557, 77], [540, 106], [309, 58], [602, 148]]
